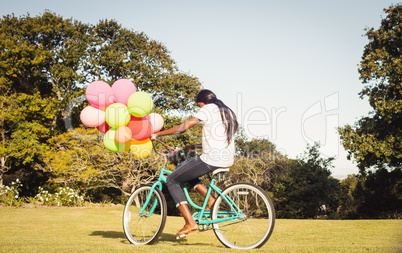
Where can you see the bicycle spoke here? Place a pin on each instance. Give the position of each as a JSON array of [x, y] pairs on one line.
[[255, 226], [144, 228]]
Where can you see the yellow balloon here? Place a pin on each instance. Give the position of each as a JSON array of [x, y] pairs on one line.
[[140, 149]]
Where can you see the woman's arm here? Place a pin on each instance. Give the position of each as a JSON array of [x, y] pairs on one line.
[[178, 129]]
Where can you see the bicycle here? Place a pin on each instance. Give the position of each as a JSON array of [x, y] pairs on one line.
[[242, 217]]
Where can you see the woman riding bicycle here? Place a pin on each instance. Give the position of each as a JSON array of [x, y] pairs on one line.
[[219, 126]]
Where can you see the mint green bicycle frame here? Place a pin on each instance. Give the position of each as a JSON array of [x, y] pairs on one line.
[[201, 217]]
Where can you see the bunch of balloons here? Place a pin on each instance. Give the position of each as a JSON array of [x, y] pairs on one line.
[[123, 114]]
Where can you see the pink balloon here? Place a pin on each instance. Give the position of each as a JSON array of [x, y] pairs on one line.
[[103, 128], [92, 117], [122, 90], [141, 128], [156, 121], [99, 94], [123, 135]]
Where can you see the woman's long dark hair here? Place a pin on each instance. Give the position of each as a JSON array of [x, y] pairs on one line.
[[228, 117]]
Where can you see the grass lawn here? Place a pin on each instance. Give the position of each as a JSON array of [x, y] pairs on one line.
[[100, 230]]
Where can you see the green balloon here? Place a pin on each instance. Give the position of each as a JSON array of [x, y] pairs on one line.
[[140, 104], [110, 143], [117, 115]]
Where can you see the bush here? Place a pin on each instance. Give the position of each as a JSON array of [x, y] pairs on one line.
[[64, 196], [9, 195]]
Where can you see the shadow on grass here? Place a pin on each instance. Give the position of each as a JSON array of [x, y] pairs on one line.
[[183, 241], [109, 234], [163, 238], [167, 237]]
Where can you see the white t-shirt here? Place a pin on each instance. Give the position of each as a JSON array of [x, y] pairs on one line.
[[215, 149]]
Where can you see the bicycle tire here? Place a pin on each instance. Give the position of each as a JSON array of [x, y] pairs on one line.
[[144, 229], [256, 225]]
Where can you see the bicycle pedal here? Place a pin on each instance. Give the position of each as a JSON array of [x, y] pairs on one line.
[[204, 228], [180, 236]]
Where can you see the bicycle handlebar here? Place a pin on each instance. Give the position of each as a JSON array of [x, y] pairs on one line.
[[170, 152]]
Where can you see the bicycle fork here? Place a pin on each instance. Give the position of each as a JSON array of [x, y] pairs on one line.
[[156, 184], [162, 178]]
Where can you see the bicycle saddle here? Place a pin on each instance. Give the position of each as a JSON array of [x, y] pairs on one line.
[[220, 172]]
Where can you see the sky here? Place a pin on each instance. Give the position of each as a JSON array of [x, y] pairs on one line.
[[288, 69]]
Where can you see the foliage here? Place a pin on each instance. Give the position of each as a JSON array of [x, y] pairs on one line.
[[116, 52], [379, 194], [78, 159], [348, 199], [64, 196], [256, 147], [305, 187], [10, 195], [375, 195], [257, 170], [45, 64], [376, 140], [40, 61], [257, 161]]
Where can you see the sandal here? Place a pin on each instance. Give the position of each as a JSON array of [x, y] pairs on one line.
[[186, 230]]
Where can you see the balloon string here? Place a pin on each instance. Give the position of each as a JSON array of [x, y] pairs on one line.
[[165, 144], [171, 151]]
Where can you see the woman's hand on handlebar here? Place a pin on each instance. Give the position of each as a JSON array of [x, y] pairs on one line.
[[153, 137]]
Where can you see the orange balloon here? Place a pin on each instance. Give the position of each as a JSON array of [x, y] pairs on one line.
[[123, 135]]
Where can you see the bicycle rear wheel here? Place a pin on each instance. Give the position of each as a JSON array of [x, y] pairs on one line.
[[252, 216], [144, 228]]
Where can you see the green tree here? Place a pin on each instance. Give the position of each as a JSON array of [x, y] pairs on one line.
[[78, 159], [255, 147], [116, 52], [46, 63], [257, 162], [376, 140], [305, 187], [40, 59], [349, 197], [378, 194]]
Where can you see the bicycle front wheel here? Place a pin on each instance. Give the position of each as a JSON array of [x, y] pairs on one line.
[[247, 216], [144, 227]]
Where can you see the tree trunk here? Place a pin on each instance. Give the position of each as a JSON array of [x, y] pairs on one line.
[[3, 168]]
